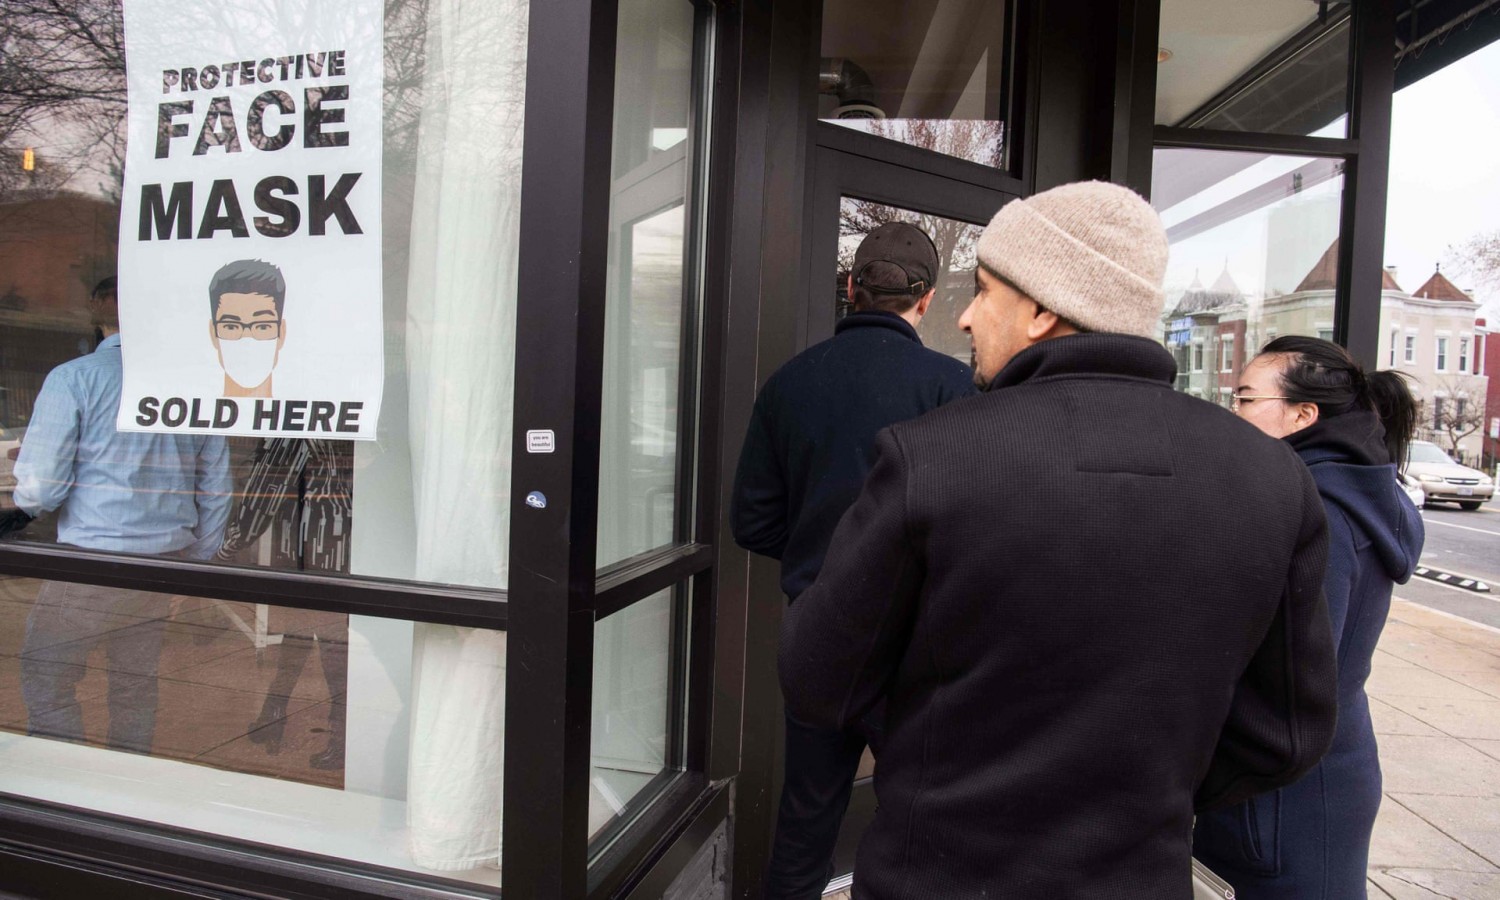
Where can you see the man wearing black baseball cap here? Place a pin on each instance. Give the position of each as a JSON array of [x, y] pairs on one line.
[[810, 443]]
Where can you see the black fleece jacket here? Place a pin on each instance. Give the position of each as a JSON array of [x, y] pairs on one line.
[[811, 438], [1092, 604]]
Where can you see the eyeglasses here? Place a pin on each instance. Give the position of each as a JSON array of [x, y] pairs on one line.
[[1237, 399], [233, 330]]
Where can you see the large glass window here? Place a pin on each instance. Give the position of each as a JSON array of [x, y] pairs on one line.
[[451, 122], [651, 296], [1230, 66], [931, 74], [1254, 254], [956, 244], [369, 739], [281, 726], [637, 713]]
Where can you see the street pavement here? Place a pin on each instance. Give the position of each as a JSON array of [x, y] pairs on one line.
[[1435, 698], [1463, 543]]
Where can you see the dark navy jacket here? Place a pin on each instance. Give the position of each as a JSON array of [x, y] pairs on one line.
[[1311, 841], [811, 440]]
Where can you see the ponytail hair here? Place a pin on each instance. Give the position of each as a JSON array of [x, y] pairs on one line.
[[1323, 373]]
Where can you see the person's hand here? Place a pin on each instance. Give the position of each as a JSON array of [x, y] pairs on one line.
[[13, 521]]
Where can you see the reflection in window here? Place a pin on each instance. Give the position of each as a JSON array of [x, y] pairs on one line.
[[650, 300], [1279, 66], [634, 686], [929, 74], [264, 723], [422, 706], [650, 288], [1254, 254], [955, 241]]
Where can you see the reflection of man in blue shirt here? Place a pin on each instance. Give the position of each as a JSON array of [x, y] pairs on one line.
[[115, 491]]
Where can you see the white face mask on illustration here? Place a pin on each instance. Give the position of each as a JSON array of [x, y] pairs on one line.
[[248, 362]]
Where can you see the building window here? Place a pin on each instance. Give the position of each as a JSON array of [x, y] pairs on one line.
[[1442, 354], [1325, 334], [1197, 356], [1226, 354], [1411, 349], [1395, 339], [1463, 354]]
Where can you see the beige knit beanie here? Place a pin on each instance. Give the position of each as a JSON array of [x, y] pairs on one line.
[[1094, 253]]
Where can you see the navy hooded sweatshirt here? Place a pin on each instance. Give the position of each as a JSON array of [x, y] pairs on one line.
[[1311, 841], [811, 439]]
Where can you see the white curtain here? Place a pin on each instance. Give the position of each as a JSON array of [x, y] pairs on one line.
[[460, 334]]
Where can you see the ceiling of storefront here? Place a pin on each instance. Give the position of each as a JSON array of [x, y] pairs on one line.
[[1213, 42], [919, 54]]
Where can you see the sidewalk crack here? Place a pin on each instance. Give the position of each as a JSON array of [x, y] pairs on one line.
[[1440, 830]]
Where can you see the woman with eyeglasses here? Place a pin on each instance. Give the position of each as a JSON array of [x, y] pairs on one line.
[[1351, 428]]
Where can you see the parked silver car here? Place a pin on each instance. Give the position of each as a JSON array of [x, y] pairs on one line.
[[1443, 479]]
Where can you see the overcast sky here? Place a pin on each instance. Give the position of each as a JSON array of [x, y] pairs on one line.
[[1445, 168]]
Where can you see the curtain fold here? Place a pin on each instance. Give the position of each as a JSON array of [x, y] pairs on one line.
[[460, 339]]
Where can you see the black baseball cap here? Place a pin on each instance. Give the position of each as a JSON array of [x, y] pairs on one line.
[[904, 246]]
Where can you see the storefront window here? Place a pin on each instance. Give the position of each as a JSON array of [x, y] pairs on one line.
[[286, 727], [429, 321], [930, 74], [1254, 254], [245, 157], [652, 292], [956, 242], [635, 709], [1222, 64]]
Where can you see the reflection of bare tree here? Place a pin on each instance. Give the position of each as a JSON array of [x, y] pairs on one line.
[[955, 240], [977, 140], [62, 83]]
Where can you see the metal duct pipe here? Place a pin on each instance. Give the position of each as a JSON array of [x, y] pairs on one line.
[[853, 88]]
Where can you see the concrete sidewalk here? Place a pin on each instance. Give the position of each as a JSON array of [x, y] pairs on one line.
[[1435, 699]]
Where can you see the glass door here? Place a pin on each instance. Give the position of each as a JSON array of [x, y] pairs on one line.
[[851, 195]]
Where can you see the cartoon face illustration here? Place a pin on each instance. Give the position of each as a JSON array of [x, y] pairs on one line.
[[246, 301]]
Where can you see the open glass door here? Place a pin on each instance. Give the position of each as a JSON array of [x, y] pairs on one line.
[[851, 195]]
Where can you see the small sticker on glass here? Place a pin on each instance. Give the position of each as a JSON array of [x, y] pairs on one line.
[[541, 440]]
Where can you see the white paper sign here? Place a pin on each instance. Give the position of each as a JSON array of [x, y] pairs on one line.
[[250, 252]]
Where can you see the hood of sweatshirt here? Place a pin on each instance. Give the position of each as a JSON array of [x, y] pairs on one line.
[[1349, 462]]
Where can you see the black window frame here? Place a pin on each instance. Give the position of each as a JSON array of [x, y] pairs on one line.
[[553, 601]]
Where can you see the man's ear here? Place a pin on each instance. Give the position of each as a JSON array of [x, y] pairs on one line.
[[925, 302], [1042, 324]]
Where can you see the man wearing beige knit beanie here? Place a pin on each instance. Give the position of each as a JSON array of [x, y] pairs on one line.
[[1093, 604], [1081, 257]]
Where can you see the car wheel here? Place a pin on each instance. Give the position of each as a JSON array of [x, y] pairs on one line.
[[1469, 505]]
